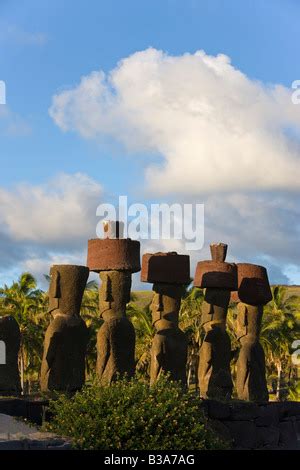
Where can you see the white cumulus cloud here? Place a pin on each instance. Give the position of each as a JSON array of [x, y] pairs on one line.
[[214, 127], [47, 224], [61, 212]]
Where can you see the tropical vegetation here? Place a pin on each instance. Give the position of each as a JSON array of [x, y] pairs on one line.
[[130, 415]]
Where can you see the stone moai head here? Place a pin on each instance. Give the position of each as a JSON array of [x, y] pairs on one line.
[[253, 284], [216, 273], [115, 259], [253, 293], [168, 272], [66, 289], [114, 293], [218, 278], [166, 303]]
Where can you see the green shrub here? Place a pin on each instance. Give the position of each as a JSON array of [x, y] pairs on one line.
[[131, 415]]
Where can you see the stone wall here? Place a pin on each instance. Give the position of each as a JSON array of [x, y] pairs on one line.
[[274, 425], [32, 410]]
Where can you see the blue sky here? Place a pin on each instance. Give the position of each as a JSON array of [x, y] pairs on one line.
[[47, 46]]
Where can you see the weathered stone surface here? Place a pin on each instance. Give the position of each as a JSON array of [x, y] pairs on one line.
[[244, 411], [113, 229], [113, 254], [297, 424], [216, 274], [36, 410], [262, 420], [63, 364], [288, 435], [214, 375], [32, 410], [115, 346], [253, 284], [12, 445], [170, 268], [218, 251], [12, 406], [288, 408], [267, 436], [9, 347], [243, 433], [65, 446], [218, 410], [222, 430], [169, 345], [116, 337], [268, 415], [214, 364], [251, 383]]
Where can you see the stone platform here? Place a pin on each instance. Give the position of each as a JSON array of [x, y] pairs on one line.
[[272, 426], [34, 410]]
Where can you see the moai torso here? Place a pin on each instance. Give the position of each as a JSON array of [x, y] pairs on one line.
[[169, 354], [169, 346], [116, 347], [9, 350], [116, 337], [215, 352], [218, 278], [251, 375], [63, 364]]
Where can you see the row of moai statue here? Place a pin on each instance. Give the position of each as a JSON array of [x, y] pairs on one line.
[[115, 259], [247, 285]]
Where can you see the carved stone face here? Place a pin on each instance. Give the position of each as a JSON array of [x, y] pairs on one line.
[[114, 293], [166, 303], [66, 289]]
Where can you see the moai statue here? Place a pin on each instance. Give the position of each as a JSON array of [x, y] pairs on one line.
[[169, 272], [63, 364], [9, 351], [253, 293], [219, 279], [115, 259]]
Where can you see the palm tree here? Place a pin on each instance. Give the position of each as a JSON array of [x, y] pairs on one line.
[[279, 330], [90, 314], [26, 304], [190, 320], [142, 321]]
